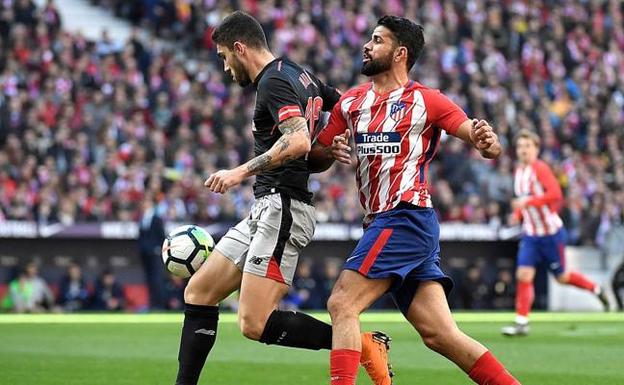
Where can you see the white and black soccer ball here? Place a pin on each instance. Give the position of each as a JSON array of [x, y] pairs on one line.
[[185, 249]]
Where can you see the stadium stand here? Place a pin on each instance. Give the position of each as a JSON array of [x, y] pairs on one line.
[[88, 128]]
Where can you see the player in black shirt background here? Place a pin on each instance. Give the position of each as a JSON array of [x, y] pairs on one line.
[[259, 255]]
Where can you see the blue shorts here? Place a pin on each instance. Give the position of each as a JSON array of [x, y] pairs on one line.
[[549, 250], [401, 243]]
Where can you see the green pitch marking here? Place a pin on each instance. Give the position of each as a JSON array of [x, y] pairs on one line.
[[386, 317]]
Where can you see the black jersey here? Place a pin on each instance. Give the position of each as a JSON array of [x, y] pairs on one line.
[[286, 90]]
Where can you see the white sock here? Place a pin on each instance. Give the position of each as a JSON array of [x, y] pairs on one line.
[[522, 320]]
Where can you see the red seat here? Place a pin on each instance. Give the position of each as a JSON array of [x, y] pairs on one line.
[[137, 297], [3, 290]]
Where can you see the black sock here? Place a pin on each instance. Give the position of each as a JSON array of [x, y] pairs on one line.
[[198, 336], [297, 330]]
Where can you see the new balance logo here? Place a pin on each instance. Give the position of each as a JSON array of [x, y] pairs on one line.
[[205, 331], [256, 261]]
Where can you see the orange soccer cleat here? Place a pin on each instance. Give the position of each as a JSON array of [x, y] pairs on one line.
[[374, 359]]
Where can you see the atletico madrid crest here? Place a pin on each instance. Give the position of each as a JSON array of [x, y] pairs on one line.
[[397, 111]]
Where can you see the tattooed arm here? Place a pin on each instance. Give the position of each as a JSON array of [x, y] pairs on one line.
[[293, 144]]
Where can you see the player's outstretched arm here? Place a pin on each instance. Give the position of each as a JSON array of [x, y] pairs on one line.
[[480, 134]]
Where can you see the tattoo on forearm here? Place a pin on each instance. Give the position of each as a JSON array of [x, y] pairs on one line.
[[259, 164], [288, 128], [283, 142]]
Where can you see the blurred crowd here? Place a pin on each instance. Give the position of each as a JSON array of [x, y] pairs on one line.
[[480, 286], [29, 292], [88, 129]]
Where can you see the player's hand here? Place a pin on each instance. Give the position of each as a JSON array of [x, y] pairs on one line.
[[340, 148], [222, 180], [519, 203], [484, 138]]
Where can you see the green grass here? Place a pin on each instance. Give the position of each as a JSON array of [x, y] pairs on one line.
[[93, 349]]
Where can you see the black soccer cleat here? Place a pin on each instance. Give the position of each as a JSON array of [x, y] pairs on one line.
[[602, 297]]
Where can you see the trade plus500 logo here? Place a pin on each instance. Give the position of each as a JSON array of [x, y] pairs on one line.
[[378, 143]]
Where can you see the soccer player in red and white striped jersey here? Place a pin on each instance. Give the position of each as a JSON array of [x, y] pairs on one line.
[[397, 125], [538, 199]]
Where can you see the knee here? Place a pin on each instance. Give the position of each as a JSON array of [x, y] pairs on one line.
[[433, 341], [523, 276], [196, 295], [338, 307], [437, 340], [250, 326]]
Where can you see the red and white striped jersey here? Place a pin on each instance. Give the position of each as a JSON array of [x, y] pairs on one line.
[[538, 183], [396, 135]]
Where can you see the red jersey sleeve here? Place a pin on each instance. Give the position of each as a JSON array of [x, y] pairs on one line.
[[552, 191], [337, 125], [442, 112]]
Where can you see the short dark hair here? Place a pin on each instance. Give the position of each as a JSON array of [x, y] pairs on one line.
[[407, 33], [240, 26]]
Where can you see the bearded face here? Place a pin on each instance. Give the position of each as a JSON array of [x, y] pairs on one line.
[[233, 67], [374, 66], [238, 72], [378, 52]]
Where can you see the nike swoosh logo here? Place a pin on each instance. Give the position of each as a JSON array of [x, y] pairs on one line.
[[206, 332], [350, 258], [47, 231]]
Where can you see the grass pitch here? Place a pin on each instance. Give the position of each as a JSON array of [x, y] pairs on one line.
[[94, 349]]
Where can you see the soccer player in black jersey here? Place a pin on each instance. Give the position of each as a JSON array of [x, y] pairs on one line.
[[259, 255]]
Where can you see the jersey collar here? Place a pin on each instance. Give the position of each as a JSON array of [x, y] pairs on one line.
[[266, 67]]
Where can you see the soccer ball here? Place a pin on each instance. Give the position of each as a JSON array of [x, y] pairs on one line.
[[185, 249]]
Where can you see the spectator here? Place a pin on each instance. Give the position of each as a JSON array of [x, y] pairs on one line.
[[328, 276], [174, 293], [19, 296], [29, 293], [108, 293], [477, 291], [304, 291], [89, 129], [73, 292], [504, 290], [151, 237]]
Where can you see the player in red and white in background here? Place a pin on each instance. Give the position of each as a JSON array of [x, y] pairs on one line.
[[538, 200], [397, 124]]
